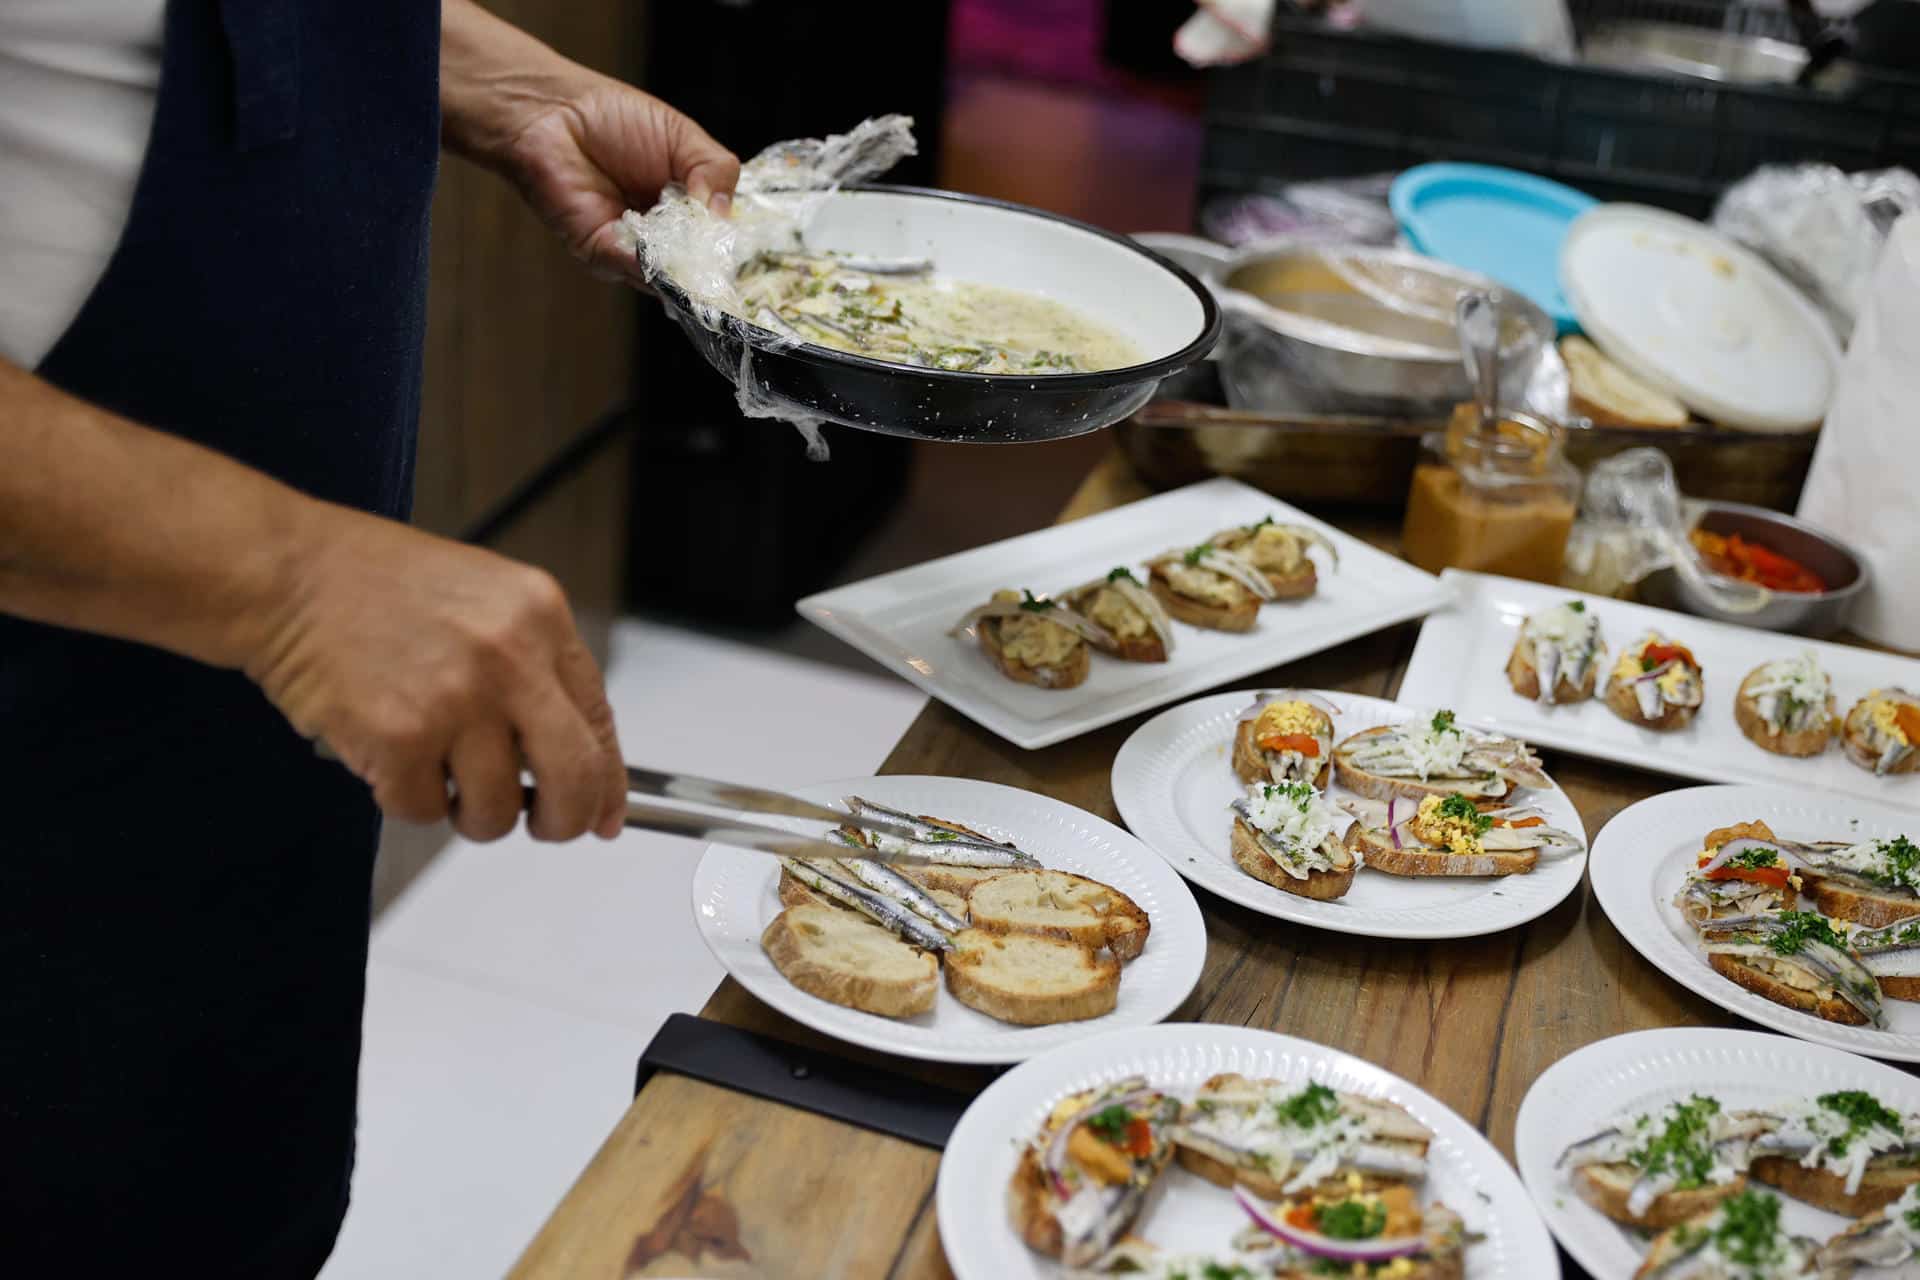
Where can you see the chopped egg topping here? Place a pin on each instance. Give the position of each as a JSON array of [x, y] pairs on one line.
[[1450, 823], [1033, 639], [1116, 613], [1281, 718]]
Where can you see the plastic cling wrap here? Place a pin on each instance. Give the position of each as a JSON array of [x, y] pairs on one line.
[[700, 254]]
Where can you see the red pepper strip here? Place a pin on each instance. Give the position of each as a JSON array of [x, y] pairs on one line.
[[1303, 1217], [1139, 1137], [1305, 743], [1774, 876], [1661, 654], [1525, 822], [1906, 718]]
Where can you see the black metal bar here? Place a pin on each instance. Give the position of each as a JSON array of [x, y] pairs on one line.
[[570, 457], [805, 1078]]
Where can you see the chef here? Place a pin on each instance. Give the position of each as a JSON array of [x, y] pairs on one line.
[[213, 277]]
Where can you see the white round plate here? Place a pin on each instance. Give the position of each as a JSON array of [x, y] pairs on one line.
[[1188, 1213], [736, 895], [1591, 1088], [1643, 857], [1173, 781]]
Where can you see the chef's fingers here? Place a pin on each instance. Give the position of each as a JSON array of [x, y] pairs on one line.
[[707, 169], [410, 782], [485, 763], [580, 677], [567, 761]]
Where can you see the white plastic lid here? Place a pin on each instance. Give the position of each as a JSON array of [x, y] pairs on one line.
[[1699, 316]]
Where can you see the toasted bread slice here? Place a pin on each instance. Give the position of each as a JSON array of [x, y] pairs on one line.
[[1378, 786], [1377, 852], [1607, 1186], [1059, 904], [1321, 886], [1868, 908], [1609, 395], [1830, 1007], [1239, 616], [1297, 585], [1524, 676], [1064, 675], [1250, 762], [1853, 740], [1879, 1187], [1147, 647], [838, 956], [1620, 699], [1801, 742], [959, 881], [1029, 980]]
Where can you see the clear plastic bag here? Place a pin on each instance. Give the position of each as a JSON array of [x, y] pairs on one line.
[[701, 254], [1821, 227]]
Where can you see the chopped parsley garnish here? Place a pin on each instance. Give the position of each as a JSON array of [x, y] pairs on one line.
[[1862, 1111], [1123, 574], [1352, 1220], [1913, 1219], [1681, 1148], [1214, 1271], [1264, 522], [1578, 606], [1311, 1107], [1193, 557], [1748, 1232], [1443, 722], [1034, 604], [1111, 1123], [1801, 927], [1647, 664], [1298, 793], [1458, 806], [1754, 859], [1897, 864]]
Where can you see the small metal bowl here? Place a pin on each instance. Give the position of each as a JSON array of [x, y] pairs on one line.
[[1821, 614]]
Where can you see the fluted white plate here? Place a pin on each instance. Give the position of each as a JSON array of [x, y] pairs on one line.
[[1591, 1088], [1188, 1213], [736, 895], [1173, 781], [1643, 856]]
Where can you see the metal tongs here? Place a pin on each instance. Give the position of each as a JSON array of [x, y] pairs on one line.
[[905, 844]]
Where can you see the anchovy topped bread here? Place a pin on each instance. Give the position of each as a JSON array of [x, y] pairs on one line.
[[1279, 1139], [1435, 756], [1082, 1179], [1451, 836], [1556, 656], [1280, 552], [1882, 732], [1136, 622], [1206, 586], [1786, 706], [1287, 835], [1741, 1238], [1883, 1245], [1036, 640], [1656, 684], [1285, 737]]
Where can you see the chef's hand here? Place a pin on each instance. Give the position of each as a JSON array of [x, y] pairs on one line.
[[419, 660], [582, 147]]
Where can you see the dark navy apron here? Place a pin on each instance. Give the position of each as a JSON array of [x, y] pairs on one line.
[[183, 885]]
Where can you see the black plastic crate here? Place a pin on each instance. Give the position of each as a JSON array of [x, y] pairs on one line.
[[1330, 103]]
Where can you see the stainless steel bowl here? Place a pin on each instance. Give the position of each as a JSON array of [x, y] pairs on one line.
[[1358, 330], [1823, 614]]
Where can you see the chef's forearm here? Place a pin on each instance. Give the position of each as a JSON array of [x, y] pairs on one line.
[[493, 78], [114, 528]]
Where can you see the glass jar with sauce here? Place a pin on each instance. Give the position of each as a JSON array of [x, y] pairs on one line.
[[1494, 501]]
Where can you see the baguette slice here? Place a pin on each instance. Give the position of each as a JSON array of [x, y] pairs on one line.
[[1031, 981], [1141, 648], [1064, 675], [1620, 700], [1880, 1186], [837, 956], [1524, 676], [1612, 397], [1868, 908], [1853, 740], [1378, 786], [958, 881], [1321, 886], [1239, 616], [1802, 742], [1832, 1008], [1374, 848], [1250, 763], [1059, 904], [1607, 1186], [1297, 585], [795, 894]]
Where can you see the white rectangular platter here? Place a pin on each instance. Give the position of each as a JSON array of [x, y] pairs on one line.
[[901, 619], [1461, 658]]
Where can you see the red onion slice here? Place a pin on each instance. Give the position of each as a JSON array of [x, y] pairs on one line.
[[1320, 1246], [1393, 828]]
